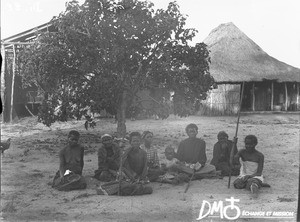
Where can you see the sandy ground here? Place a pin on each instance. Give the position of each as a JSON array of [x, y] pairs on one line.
[[28, 167]]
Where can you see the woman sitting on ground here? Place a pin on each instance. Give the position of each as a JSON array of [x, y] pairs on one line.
[[154, 170]]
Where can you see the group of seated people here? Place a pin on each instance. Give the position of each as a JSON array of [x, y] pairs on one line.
[[128, 170]]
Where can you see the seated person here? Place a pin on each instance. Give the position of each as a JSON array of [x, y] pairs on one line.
[[170, 161], [154, 170], [252, 163], [108, 159], [172, 168], [69, 176], [192, 153], [134, 166], [221, 155], [135, 163]]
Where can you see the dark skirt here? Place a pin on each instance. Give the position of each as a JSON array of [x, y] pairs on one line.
[[69, 182]]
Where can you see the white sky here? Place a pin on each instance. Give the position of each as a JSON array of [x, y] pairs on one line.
[[273, 24]]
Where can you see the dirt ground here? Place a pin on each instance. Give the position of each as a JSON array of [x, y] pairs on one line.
[[30, 164]]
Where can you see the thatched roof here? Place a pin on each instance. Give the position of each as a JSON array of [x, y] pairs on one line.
[[236, 58]]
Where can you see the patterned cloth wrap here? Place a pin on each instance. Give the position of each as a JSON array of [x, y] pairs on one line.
[[126, 188], [68, 182], [153, 160]]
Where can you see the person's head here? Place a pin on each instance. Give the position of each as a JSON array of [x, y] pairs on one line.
[[148, 137], [73, 137], [222, 136], [250, 142], [106, 139], [191, 130], [169, 153], [135, 139]]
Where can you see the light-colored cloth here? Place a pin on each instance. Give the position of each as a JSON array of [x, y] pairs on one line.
[[167, 176], [169, 163], [249, 168]]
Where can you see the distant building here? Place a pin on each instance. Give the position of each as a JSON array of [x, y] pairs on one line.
[[270, 85], [18, 99]]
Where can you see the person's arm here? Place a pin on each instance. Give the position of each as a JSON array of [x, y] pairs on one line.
[[202, 154], [260, 165], [125, 165], [156, 160], [235, 151], [145, 167], [102, 159], [237, 156], [128, 171], [62, 163], [180, 152], [117, 152], [82, 157], [216, 154]]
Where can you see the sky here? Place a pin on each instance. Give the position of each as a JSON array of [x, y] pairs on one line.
[[272, 24]]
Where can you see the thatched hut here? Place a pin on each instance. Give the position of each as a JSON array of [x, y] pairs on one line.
[[270, 85]]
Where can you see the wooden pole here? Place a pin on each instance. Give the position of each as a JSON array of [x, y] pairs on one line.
[[3, 86], [225, 102], [18, 43], [286, 97], [297, 102], [253, 97], [26, 107], [235, 135], [3, 64], [211, 101], [272, 96], [13, 83]]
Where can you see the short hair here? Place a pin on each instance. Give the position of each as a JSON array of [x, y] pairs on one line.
[[145, 133], [74, 133], [252, 138], [134, 134], [222, 134], [191, 126]]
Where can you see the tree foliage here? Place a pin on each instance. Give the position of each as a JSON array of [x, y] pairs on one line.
[[105, 51]]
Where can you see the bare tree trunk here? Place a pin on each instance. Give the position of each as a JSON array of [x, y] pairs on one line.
[[121, 115]]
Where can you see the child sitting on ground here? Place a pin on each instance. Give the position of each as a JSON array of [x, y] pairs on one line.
[[170, 161], [154, 170], [252, 163], [170, 165]]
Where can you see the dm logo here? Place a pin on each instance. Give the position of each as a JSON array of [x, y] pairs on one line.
[[208, 210]]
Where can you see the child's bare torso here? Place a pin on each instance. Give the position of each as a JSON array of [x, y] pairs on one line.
[[251, 156]]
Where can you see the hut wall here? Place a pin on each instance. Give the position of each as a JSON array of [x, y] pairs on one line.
[[280, 96], [292, 96], [7, 77], [263, 96], [224, 100]]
